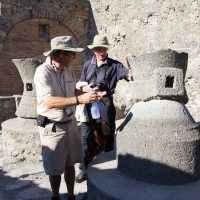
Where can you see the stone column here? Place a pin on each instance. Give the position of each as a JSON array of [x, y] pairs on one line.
[[21, 135], [28, 103]]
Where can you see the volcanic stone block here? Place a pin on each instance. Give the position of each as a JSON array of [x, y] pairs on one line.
[[168, 82], [28, 103], [159, 143], [159, 74]]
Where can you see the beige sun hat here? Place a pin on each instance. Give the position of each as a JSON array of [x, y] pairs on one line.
[[65, 43], [99, 41]]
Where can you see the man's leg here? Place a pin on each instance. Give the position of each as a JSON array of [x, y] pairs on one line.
[[108, 113], [85, 130], [82, 175], [69, 179], [55, 184]]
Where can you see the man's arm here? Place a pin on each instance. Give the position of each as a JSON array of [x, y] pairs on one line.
[[83, 98], [59, 102]]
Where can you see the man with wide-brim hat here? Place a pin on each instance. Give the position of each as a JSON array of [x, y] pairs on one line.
[[56, 101], [98, 74], [100, 41], [65, 43]]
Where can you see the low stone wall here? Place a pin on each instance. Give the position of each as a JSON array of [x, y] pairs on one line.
[[8, 106], [21, 140]]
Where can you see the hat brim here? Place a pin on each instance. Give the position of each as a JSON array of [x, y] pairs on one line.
[[78, 50], [100, 45]]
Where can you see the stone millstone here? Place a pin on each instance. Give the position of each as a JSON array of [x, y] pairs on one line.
[[158, 143]]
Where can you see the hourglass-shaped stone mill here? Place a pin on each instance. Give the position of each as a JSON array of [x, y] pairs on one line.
[[158, 144], [20, 135]]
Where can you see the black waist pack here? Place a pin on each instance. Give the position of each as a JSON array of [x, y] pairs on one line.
[[41, 120]]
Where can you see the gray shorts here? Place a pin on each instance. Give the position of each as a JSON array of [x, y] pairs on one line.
[[62, 148]]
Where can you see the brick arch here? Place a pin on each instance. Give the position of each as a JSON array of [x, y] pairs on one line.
[[34, 13], [22, 41]]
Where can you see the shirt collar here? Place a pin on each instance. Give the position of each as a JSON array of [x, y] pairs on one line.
[[104, 62], [49, 62], [94, 61]]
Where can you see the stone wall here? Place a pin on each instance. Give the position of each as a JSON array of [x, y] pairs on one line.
[[149, 25], [26, 28], [131, 26], [8, 106]]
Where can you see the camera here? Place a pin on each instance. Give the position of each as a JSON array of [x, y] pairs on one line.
[[69, 111], [101, 86]]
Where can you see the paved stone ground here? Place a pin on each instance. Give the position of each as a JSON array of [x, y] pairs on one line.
[[27, 181]]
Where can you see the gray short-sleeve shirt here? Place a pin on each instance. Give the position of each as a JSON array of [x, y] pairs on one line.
[[50, 82]]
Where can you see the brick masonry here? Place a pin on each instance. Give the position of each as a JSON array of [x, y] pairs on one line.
[[26, 28]]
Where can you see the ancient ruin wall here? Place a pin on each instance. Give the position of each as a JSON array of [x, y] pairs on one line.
[[144, 26], [131, 26], [26, 28]]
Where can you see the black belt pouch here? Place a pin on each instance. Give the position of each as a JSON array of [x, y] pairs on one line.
[[41, 120]]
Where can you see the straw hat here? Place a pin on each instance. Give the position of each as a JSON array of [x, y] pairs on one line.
[[99, 41], [65, 43]]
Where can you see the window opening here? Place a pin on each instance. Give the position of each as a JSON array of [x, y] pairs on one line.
[[29, 87], [169, 83], [43, 31]]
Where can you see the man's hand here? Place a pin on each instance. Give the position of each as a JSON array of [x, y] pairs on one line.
[[91, 97], [87, 88], [101, 94]]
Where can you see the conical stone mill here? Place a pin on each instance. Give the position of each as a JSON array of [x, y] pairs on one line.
[[20, 135], [157, 153]]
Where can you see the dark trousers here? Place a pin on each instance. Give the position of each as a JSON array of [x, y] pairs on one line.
[[108, 113]]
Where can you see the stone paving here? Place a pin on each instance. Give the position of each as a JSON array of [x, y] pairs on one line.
[[27, 181]]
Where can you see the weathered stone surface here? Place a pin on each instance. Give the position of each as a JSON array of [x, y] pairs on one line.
[[28, 103], [21, 140], [34, 169], [31, 185], [159, 143], [147, 26], [18, 184], [156, 75], [120, 187], [122, 100], [139, 29], [7, 160], [159, 74], [8, 107]]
